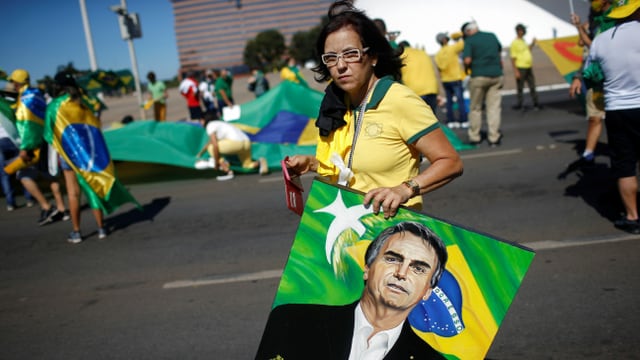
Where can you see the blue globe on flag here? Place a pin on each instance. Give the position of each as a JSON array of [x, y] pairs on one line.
[[85, 147]]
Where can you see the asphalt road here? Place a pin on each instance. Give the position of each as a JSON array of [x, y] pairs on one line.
[[193, 273]]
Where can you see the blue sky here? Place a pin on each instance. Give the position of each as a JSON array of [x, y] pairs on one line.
[[43, 34]]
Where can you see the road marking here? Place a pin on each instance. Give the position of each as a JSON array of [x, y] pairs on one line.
[[555, 244], [539, 89], [277, 273], [491, 154], [260, 275]]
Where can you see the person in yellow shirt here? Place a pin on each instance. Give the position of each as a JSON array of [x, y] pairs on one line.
[[522, 62], [451, 75], [290, 72], [418, 74]]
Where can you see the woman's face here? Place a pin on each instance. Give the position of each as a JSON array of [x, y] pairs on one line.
[[352, 77]]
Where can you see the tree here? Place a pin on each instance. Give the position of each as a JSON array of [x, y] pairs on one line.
[[302, 46], [303, 43], [265, 50]]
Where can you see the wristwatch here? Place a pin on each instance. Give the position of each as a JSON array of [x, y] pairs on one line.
[[413, 185]]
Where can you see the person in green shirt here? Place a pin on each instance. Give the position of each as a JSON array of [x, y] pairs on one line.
[[481, 54], [158, 96], [223, 88]]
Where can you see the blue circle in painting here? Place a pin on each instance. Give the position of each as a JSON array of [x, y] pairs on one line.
[[441, 313], [85, 147]]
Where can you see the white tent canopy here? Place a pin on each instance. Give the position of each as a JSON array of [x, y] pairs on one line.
[[420, 20]]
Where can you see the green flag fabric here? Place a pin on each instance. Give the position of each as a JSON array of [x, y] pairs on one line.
[[8, 120], [279, 123]]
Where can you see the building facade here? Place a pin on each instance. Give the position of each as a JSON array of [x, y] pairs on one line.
[[213, 33]]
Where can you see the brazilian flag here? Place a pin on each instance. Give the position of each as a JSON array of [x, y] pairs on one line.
[[30, 112], [75, 133], [461, 317], [8, 119]]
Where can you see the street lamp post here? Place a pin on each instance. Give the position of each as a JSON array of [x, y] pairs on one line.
[[129, 31], [87, 35]]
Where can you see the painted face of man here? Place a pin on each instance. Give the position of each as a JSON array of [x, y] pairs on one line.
[[401, 274]]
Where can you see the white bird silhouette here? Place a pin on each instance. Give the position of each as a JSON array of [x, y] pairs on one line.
[[345, 218]]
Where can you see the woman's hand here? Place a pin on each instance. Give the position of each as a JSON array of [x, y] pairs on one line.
[[301, 164], [388, 199]]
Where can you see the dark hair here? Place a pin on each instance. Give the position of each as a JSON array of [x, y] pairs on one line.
[[343, 14], [418, 230], [382, 26], [65, 82], [210, 116], [151, 76]]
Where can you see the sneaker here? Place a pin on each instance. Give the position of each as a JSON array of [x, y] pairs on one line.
[[74, 237], [11, 207], [453, 125], [464, 125], [30, 203], [46, 216], [630, 226], [66, 215], [228, 176], [496, 143], [202, 164], [102, 233], [264, 167], [57, 215]]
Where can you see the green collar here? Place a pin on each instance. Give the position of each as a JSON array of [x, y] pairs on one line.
[[381, 89]]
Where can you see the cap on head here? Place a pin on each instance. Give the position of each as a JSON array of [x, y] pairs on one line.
[[442, 37], [468, 26], [623, 8], [64, 79], [20, 76]]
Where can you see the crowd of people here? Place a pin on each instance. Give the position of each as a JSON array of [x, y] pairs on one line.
[[370, 75], [34, 151]]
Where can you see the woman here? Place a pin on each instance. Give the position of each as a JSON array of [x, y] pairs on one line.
[[72, 128], [67, 90], [378, 150]]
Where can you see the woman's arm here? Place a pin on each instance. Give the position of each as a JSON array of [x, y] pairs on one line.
[[445, 165]]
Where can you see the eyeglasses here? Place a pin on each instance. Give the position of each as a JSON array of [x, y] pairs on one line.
[[349, 56]]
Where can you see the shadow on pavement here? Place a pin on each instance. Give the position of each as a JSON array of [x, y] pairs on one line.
[[595, 184], [138, 173], [147, 213]]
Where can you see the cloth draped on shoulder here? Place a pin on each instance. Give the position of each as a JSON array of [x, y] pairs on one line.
[[74, 132], [332, 110]]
